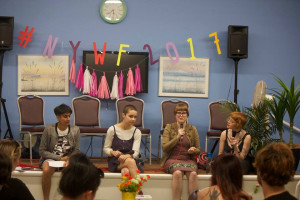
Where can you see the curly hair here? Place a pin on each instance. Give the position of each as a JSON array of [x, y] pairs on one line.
[[275, 164], [240, 119]]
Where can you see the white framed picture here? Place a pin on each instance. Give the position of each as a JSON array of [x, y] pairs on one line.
[[186, 78], [40, 75]]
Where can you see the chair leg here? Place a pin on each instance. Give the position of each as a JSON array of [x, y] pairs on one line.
[[150, 151], [161, 151], [215, 144], [145, 147], [102, 146], [206, 144], [30, 148], [158, 147]]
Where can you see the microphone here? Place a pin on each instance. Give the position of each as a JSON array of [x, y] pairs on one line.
[[181, 127], [233, 133]]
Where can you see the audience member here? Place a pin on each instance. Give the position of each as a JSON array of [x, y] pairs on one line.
[[180, 143], [11, 188], [122, 144], [80, 179], [226, 180], [237, 141], [275, 168], [59, 140]]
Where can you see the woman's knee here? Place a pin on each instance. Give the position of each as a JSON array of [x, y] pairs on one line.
[[177, 174], [47, 169], [124, 171], [193, 176], [130, 162]]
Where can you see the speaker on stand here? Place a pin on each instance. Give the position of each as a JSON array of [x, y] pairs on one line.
[[237, 49], [6, 44]]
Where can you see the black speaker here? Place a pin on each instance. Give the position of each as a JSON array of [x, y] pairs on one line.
[[237, 41], [6, 32]]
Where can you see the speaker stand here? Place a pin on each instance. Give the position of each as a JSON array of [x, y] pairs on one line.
[[3, 101], [236, 91]]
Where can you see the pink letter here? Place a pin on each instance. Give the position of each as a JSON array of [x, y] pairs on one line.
[[74, 49], [151, 56], [175, 51], [48, 46]]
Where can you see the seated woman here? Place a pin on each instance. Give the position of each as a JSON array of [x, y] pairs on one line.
[[180, 142], [83, 187], [11, 188], [122, 144], [226, 180], [237, 141]]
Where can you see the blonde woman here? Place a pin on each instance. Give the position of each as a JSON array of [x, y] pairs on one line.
[[11, 188]]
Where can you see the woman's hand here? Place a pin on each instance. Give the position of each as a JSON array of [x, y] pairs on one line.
[[181, 132], [191, 150], [233, 141], [122, 158], [65, 158], [116, 153]]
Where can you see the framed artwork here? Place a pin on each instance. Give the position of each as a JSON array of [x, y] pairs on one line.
[[40, 75], [186, 78]]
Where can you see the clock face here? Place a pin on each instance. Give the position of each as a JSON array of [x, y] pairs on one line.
[[113, 11]]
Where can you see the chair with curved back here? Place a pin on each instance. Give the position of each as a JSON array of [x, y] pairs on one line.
[[139, 104], [31, 119], [167, 117], [217, 122], [87, 117]]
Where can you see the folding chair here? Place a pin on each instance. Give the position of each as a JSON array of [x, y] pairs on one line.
[[217, 122], [31, 119], [139, 104], [167, 117], [87, 116]]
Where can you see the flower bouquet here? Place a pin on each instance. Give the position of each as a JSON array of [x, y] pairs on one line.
[[130, 186]]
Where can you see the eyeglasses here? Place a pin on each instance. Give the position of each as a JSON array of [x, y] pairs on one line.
[[181, 113]]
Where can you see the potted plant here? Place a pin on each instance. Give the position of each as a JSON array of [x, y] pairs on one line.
[[291, 96], [277, 111], [292, 99]]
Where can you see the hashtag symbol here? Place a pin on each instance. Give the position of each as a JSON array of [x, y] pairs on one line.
[[26, 36]]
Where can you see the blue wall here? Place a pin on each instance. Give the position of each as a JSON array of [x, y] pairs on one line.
[[274, 28]]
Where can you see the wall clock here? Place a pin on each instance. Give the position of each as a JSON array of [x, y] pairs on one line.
[[113, 11]]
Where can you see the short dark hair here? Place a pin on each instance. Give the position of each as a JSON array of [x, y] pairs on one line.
[[181, 107], [128, 108], [275, 164], [79, 176], [5, 168], [62, 109]]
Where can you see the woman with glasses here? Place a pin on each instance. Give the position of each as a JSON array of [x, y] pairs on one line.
[[236, 141], [11, 188], [180, 143]]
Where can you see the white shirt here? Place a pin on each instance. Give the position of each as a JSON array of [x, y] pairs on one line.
[[123, 135]]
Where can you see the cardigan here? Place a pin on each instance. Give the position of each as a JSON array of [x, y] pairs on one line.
[[169, 139]]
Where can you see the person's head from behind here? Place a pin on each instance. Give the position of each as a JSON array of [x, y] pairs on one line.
[[80, 179], [228, 176], [63, 114], [236, 120], [5, 168], [275, 164], [12, 149], [181, 112], [129, 114]]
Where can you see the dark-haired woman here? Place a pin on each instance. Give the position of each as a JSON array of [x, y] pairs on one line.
[[226, 180], [122, 144], [80, 179]]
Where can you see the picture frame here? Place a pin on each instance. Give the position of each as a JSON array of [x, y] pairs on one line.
[[186, 78], [40, 75]]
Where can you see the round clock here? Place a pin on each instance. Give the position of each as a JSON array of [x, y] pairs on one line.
[[113, 11]]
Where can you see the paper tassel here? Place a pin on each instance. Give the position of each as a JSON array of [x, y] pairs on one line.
[[103, 91], [120, 87], [87, 79], [93, 88], [79, 80], [130, 87], [72, 72], [137, 79], [114, 89]]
